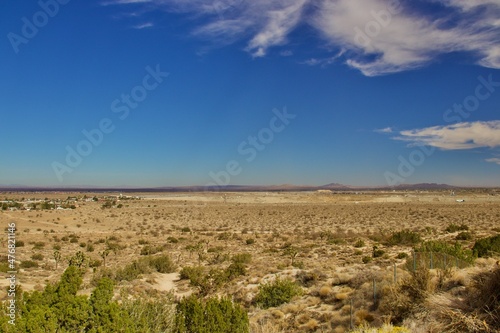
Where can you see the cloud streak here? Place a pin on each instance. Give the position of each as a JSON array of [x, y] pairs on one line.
[[466, 135], [405, 39]]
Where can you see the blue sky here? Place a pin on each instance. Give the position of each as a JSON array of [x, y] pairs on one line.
[[192, 92]]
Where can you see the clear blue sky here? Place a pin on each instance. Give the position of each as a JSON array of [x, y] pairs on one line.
[[363, 82]]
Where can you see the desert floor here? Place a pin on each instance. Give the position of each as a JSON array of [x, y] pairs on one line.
[[323, 227]]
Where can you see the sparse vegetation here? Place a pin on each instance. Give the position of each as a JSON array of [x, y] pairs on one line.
[[234, 250]]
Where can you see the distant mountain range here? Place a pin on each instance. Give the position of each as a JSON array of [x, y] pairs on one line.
[[232, 188]]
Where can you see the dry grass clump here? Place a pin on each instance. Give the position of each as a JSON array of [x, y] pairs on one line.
[[363, 316], [401, 300], [386, 328], [325, 291], [310, 326]]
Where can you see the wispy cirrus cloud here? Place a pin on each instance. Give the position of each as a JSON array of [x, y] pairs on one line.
[[143, 25], [466, 135], [407, 39], [384, 130]]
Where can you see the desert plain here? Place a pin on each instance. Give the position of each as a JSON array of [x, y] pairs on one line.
[[322, 240]]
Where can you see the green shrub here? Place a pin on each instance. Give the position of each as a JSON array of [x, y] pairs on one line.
[[455, 227], [193, 273], [464, 235], [37, 256], [367, 259], [278, 292], [456, 250], [186, 229], [243, 258], [151, 315], [376, 253], [172, 240], [132, 271], [235, 269], [404, 237], [162, 264], [19, 243], [150, 249], [485, 247], [359, 243], [38, 245], [213, 315], [402, 255], [28, 264], [250, 241]]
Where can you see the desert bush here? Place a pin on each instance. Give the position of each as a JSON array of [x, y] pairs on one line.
[[172, 240], [58, 308], [37, 256], [213, 315], [185, 229], [19, 243], [114, 246], [456, 250], [250, 241], [38, 245], [464, 235], [243, 258], [162, 264], [366, 259], [28, 264], [452, 227], [485, 247], [359, 243], [402, 255], [235, 269], [192, 273], [150, 249], [275, 293], [132, 271], [151, 315], [404, 237], [485, 296], [401, 300], [376, 252], [307, 279]]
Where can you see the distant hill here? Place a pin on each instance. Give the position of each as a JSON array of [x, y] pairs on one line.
[[425, 186], [231, 188]]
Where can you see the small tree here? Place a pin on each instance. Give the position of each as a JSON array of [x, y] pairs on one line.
[[291, 252], [104, 254], [57, 257]]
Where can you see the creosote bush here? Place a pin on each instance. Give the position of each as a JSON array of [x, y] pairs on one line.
[[277, 292], [404, 237], [211, 316], [485, 247]]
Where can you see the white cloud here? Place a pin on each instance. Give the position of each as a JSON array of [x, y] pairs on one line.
[[378, 39], [384, 130], [143, 25], [493, 160], [467, 135]]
